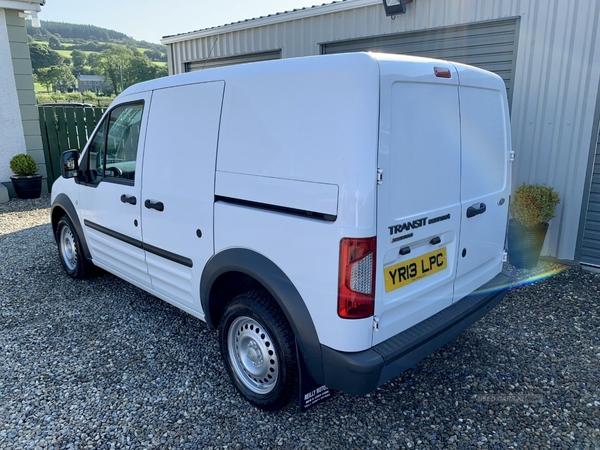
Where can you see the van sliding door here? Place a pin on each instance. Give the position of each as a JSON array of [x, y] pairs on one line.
[[178, 188]]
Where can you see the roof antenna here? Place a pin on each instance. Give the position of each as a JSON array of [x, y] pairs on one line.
[[210, 53]]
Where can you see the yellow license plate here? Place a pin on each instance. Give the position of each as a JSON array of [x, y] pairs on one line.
[[399, 275]]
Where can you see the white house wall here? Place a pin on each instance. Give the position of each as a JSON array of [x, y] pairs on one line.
[[556, 82], [12, 139]]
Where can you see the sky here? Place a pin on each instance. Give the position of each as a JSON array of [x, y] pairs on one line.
[[150, 20]]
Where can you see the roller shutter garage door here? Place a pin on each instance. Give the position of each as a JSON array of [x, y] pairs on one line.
[[488, 45], [590, 244], [192, 66]]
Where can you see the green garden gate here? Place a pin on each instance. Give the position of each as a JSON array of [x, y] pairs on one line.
[[65, 128]]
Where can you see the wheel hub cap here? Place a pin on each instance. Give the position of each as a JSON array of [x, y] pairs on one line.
[[252, 355], [67, 248]]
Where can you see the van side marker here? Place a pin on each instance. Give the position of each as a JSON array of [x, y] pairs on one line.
[[280, 209]]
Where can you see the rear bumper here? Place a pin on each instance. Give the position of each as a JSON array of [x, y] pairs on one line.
[[362, 372]]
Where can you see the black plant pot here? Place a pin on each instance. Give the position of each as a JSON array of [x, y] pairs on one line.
[[525, 244], [27, 187]]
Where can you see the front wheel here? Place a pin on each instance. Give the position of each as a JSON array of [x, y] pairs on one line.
[[69, 250], [257, 345]]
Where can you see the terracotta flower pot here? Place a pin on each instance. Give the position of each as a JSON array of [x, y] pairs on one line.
[[525, 244]]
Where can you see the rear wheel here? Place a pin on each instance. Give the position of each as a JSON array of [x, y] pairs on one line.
[[69, 250], [257, 345]]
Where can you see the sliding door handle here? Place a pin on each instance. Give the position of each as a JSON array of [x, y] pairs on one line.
[[153, 204]]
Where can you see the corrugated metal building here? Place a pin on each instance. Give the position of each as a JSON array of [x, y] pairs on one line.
[[547, 51]]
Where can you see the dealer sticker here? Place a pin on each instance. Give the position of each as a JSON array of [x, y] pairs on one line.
[[404, 273]]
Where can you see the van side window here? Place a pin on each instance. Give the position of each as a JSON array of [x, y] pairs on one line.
[[113, 152]]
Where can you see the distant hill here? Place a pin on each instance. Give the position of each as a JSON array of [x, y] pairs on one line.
[[90, 38], [61, 52]]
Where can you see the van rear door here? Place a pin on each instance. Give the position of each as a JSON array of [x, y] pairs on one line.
[[485, 177], [418, 202]]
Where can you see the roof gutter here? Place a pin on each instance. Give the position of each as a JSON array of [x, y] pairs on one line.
[[23, 5], [272, 19]]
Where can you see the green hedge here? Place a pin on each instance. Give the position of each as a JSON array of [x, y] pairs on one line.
[[75, 97]]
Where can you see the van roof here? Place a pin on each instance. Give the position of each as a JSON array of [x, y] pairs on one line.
[[280, 66]]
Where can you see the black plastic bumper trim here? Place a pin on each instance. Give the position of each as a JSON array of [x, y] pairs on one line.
[[362, 372], [114, 234], [168, 255], [139, 244]]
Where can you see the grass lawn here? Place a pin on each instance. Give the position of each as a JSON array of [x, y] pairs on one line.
[[39, 88], [67, 53]]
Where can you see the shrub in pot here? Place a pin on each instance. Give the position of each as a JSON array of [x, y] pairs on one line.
[[532, 206], [26, 182]]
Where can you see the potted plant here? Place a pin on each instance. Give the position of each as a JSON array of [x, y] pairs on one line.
[[26, 182], [532, 206]]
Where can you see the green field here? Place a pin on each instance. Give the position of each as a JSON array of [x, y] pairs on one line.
[[66, 53], [39, 88]]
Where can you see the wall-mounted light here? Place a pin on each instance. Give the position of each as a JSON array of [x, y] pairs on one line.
[[35, 20], [395, 7]]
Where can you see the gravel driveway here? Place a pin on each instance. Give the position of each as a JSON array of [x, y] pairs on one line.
[[101, 364]]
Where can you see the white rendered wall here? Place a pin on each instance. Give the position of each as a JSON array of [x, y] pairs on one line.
[[12, 139]]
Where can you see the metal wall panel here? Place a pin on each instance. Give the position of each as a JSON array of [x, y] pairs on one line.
[[554, 88]]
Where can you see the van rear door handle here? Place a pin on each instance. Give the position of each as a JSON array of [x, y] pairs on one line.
[[153, 204], [128, 199], [475, 210]]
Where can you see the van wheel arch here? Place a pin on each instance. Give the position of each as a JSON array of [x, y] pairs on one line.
[[61, 206], [236, 271], [257, 346]]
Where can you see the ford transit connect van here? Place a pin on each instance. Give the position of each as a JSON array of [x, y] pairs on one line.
[[345, 212]]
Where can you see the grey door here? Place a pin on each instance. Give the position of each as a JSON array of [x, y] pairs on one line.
[[210, 63], [489, 45], [590, 243]]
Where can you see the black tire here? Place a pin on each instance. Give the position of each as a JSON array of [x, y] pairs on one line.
[[258, 349], [69, 250]]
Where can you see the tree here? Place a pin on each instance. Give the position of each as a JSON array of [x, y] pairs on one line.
[[162, 71], [92, 59], [111, 63], [155, 55], [42, 56], [79, 58], [125, 66], [140, 68], [56, 77], [54, 43]]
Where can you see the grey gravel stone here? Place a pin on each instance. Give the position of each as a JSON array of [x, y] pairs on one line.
[[101, 364]]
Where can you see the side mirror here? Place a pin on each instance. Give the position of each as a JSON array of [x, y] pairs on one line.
[[69, 165]]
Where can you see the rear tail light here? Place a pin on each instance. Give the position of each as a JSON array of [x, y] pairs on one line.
[[356, 285]]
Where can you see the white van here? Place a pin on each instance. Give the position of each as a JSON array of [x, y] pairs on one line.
[[346, 212]]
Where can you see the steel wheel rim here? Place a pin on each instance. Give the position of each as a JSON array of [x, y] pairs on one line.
[[68, 249], [252, 355]]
